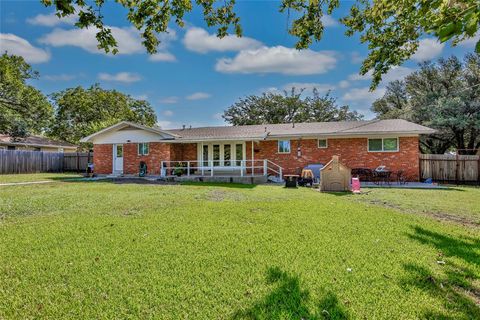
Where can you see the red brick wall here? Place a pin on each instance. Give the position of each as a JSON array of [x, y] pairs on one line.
[[103, 158], [157, 152], [352, 151], [184, 151]]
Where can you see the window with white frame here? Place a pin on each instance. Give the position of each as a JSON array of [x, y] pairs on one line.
[[283, 146], [143, 149], [322, 143], [383, 145]]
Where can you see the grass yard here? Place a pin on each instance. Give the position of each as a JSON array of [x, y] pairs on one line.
[[12, 178], [461, 204], [96, 250]]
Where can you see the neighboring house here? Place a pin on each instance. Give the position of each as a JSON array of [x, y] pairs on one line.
[[258, 149], [35, 143]]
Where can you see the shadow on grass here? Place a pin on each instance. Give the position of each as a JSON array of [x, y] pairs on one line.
[[466, 248], [447, 289], [338, 193], [289, 301], [454, 286]]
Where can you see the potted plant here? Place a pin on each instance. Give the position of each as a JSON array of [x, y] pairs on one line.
[[179, 169]]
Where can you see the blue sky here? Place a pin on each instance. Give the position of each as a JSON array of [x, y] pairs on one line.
[[196, 76]]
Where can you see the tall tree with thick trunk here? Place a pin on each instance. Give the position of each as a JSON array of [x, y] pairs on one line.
[[80, 112], [287, 108], [24, 110], [392, 29]]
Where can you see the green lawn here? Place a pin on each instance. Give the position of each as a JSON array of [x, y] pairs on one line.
[[456, 203], [97, 250], [12, 178]]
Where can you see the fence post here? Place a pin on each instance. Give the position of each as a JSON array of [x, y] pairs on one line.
[[188, 168], [264, 167], [478, 170], [456, 168], [211, 168]]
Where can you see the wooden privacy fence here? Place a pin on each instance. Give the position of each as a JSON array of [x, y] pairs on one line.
[[76, 161], [450, 168], [22, 161]]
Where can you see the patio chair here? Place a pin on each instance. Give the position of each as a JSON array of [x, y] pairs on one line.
[[401, 177]]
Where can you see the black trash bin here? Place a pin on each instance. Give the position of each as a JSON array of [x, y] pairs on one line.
[[143, 169], [291, 180]]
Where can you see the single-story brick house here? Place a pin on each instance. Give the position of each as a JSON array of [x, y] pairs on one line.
[[257, 149], [35, 143]]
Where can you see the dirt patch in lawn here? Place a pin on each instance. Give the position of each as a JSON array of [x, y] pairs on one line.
[[218, 195], [139, 181], [441, 216]]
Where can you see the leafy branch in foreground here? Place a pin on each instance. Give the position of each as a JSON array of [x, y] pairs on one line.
[[392, 29]]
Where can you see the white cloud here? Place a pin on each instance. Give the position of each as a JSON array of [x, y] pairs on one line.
[[128, 40], [167, 113], [470, 42], [169, 100], [165, 124], [162, 56], [395, 73], [51, 20], [217, 116], [141, 97], [198, 96], [59, 77], [278, 59], [21, 47], [199, 40], [344, 84], [428, 49], [273, 90], [124, 77], [362, 97], [329, 21], [356, 57]]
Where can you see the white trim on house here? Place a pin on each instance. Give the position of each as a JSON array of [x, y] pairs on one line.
[[165, 135]]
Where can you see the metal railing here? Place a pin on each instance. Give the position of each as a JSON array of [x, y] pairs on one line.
[[219, 167]]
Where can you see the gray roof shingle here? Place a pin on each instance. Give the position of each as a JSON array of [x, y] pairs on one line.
[[340, 128], [34, 141]]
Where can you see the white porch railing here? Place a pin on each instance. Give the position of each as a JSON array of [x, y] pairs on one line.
[[240, 168]]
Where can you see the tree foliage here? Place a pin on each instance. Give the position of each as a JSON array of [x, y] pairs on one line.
[[80, 112], [444, 96], [392, 29], [23, 109], [287, 108]]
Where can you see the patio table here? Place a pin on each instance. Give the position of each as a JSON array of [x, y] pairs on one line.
[[382, 177]]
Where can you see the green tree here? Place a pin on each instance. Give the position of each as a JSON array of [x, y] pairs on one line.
[[392, 29], [80, 112], [23, 109], [287, 108], [444, 96]]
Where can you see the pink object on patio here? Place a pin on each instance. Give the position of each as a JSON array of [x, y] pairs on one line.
[[355, 185]]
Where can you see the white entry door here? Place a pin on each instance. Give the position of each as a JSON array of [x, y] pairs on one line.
[[118, 158]]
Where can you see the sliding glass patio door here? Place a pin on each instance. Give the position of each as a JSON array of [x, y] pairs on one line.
[[225, 154]]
